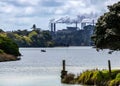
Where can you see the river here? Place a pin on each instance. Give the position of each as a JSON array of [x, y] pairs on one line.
[[38, 68]]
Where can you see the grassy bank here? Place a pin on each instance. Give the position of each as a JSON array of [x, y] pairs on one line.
[[94, 77]]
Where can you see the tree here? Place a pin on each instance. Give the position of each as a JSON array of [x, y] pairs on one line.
[[8, 46], [107, 30]]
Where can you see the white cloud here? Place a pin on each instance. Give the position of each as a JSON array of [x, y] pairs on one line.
[[110, 2], [27, 12], [5, 8], [74, 7], [59, 11], [30, 2]]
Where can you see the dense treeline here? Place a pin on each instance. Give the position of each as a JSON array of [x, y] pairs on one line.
[[41, 38], [34, 38], [8, 46]]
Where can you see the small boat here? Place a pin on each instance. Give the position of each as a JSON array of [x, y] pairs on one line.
[[43, 50]]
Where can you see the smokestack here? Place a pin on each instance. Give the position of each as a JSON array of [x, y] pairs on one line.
[[76, 24], [54, 27], [51, 27], [93, 22]]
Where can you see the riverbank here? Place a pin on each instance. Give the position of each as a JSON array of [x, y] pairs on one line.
[[94, 77], [8, 57]]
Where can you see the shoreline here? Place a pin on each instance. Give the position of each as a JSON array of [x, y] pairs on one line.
[[104, 77], [8, 57]]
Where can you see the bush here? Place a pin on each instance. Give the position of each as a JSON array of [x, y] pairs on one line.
[[118, 76], [69, 79], [1, 51], [115, 82], [100, 78], [94, 77], [86, 78], [8, 46]]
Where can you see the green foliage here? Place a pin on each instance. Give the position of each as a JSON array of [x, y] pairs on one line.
[[21, 32], [91, 77], [69, 78], [118, 76], [86, 78], [97, 76], [115, 82], [107, 29], [1, 51], [39, 38], [8, 46], [105, 74], [100, 78], [3, 34], [115, 78], [34, 38], [32, 33], [27, 40]]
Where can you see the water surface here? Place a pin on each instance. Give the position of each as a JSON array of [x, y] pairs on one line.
[[38, 68]]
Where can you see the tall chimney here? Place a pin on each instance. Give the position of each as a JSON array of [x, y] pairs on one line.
[[54, 27], [51, 27], [76, 25], [93, 22]]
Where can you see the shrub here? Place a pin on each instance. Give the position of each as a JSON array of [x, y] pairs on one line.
[[8, 46], [115, 82], [118, 76], [86, 77], [69, 79], [1, 51]]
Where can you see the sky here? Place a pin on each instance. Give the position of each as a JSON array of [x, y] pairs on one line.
[[22, 14]]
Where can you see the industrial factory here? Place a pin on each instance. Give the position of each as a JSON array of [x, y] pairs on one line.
[[79, 23]]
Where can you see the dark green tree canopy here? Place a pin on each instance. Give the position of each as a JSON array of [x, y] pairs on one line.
[[8, 46], [107, 30]]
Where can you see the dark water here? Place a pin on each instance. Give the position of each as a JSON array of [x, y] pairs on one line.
[[38, 68]]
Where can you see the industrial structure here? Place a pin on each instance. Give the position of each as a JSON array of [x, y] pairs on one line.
[[81, 20]]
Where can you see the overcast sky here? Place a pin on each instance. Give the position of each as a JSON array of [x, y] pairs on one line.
[[22, 14]]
